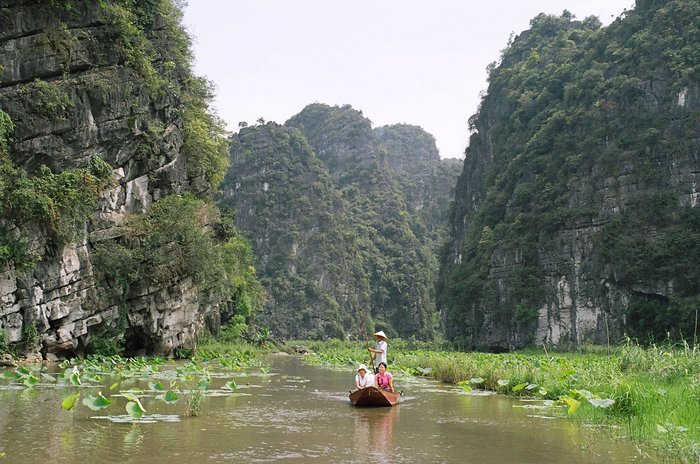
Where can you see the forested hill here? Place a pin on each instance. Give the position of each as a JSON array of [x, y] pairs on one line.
[[344, 241], [109, 240], [576, 218]]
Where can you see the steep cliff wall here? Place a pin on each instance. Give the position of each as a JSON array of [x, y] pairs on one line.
[[300, 229], [575, 218], [341, 250], [106, 81]]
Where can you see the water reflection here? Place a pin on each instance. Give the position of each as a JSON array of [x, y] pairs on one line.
[[374, 430]]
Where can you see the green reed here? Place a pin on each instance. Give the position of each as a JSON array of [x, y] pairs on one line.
[[649, 394]]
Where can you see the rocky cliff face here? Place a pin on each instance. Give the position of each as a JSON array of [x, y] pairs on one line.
[[575, 218], [86, 80], [426, 181], [286, 203]]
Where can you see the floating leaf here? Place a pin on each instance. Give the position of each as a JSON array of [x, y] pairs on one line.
[[230, 385], [69, 401], [131, 397], [135, 409], [531, 386], [573, 404], [11, 375], [503, 383], [601, 403], [169, 397], [520, 386], [96, 402], [30, 380], [75, 379], [476, 380], [156, 386], [203, 383], [543, 392], [584, 393]]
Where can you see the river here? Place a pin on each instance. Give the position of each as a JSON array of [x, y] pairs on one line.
[[293, 413]]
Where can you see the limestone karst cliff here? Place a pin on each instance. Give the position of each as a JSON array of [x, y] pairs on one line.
[[576, 219], [106, 132], [344, 220]]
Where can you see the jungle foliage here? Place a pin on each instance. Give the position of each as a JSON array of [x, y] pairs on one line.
[[177, 237], [575, 114], [341, 250]]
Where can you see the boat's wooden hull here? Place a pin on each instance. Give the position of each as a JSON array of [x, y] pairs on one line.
[[373, 396]]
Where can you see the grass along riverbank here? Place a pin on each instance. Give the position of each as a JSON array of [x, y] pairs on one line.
[[652, 394]]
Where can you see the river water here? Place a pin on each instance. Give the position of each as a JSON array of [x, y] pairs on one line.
[[300, 413]]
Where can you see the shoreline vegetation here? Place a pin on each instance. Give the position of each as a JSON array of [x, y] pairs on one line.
[[649, 395]]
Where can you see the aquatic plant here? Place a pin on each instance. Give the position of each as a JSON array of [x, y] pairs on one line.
[[192, 379], [651, 393]]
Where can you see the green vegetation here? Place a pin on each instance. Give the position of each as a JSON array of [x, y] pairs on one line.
[[580, 127], [181, 237], [205, 144], [137, 383], [58, 202], [650, 393]]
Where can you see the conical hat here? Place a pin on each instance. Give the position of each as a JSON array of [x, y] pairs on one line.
[[381, 334]]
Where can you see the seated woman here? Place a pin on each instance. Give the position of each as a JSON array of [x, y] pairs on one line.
[[362, 378], [384, 379]]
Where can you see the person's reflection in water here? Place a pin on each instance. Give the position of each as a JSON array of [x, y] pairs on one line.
[[375, 427]]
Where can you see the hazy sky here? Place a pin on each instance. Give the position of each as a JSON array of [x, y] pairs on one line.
[[419, 62]]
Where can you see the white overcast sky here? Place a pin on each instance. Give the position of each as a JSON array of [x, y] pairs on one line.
[[419, 62]]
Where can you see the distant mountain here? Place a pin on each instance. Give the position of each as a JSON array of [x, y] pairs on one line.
[[340, 251]]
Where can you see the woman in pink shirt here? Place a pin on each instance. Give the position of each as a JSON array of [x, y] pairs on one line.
[[384, 379]]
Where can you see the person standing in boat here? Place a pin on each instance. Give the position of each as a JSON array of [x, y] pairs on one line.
[[379, 351], [384, 379], [362, 378]]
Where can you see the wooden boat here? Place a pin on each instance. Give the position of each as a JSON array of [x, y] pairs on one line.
[[373, 396]]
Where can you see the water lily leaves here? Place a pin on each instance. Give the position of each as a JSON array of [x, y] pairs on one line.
[[582, 393], [601, 403], [96, 402], [520, 386], [503, 383], [476, 380], [134, 406], [169, 397], [230, 385], [69, 401], [135, 409], [74, 377], [11, 375], [531, 386], [573, 404], [30, 380], [203, 383], [156, 386]]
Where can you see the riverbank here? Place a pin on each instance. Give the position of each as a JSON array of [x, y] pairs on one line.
[[650, 395]]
